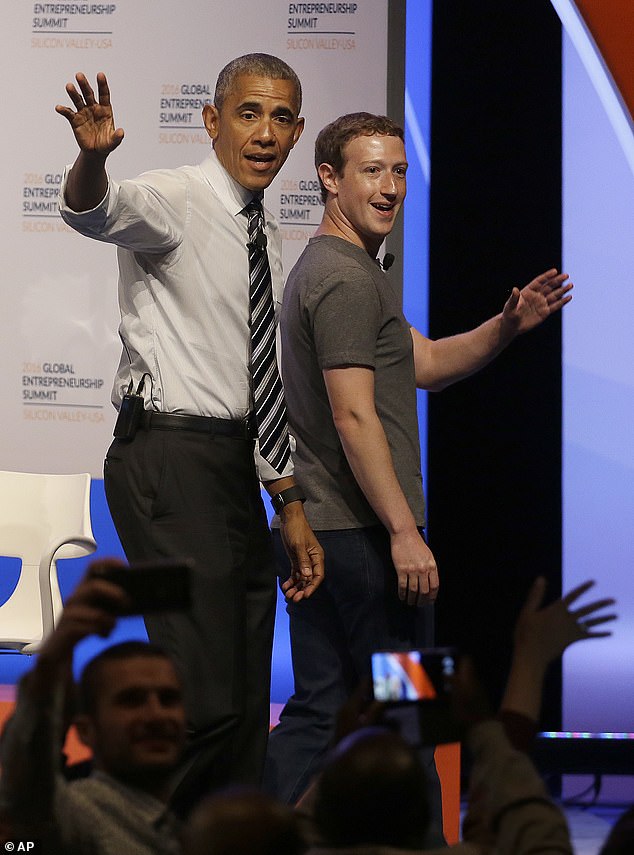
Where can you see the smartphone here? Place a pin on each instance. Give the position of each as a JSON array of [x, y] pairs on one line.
[[416, 686], [402, 676], [155, 585]]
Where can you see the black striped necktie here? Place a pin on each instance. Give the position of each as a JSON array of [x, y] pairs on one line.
[[268, 394]]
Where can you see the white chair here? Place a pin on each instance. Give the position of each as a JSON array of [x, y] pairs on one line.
[[42, 518]]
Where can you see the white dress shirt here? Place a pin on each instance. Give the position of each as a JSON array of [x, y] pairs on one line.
[[183, 287]]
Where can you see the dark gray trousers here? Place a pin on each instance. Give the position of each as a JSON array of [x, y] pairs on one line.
[[183, 494]]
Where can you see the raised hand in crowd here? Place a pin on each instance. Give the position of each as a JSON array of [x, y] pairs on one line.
[[542, 634]]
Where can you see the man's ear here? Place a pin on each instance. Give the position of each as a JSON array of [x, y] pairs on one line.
[[211, 118], [299, 129], [85, 727], [328, 177]]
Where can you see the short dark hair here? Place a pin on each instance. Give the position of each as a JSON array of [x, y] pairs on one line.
[[239, 820], [620, 840], [258, 65], [373, 791], [89, 682], [332, 139]]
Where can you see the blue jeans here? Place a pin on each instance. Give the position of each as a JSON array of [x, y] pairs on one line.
[[333, 634]]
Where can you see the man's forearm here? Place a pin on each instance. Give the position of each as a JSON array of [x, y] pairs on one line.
[[279, 484], [31, 746], [87, 182], [524, 687], [367, 451], [445, 361]]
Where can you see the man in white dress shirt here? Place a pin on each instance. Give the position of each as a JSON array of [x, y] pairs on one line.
[[181, 476]]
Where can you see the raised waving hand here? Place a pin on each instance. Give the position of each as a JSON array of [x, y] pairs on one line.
[[92, 119], [528, 307]]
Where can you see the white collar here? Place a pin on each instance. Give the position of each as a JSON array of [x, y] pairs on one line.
[[233, 195]]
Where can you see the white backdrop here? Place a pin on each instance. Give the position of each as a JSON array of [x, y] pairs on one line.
[[59, 342]]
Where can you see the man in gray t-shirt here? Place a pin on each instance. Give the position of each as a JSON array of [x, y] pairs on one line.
[[341, 310], [351, 365]]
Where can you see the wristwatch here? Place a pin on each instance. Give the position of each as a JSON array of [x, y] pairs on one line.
[[285, 497]]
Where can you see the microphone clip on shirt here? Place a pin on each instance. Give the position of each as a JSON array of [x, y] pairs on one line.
[[388, 261]]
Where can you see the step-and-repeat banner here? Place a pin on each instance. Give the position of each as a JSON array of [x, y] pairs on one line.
[[59, 339]]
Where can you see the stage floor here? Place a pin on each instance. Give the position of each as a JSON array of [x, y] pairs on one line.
[[589, 827]]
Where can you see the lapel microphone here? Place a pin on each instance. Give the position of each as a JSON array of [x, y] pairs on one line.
[[388, 261]]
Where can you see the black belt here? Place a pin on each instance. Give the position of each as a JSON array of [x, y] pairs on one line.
[[244, 429]]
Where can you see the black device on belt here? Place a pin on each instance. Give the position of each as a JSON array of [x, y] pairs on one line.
[[129, 418]]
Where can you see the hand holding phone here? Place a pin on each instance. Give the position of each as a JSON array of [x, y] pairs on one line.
[[416, 687]]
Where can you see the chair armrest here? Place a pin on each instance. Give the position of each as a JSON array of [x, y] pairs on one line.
[[48, 618]]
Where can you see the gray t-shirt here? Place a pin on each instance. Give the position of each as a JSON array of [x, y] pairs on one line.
[[340, 309]]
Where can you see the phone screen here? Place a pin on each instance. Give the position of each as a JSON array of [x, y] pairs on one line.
[[412, 675], [415, 686]]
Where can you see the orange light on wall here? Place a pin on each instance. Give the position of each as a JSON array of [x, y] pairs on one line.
[[611, 23]]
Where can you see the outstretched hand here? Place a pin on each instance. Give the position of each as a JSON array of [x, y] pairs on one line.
[[527, 308], [541, 635], [92, 120], [545, 633]]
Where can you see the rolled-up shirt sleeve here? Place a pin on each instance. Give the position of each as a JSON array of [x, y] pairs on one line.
[[145, 214]]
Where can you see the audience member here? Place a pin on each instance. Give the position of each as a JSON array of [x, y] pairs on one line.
[[369, 797], [621, 839], [132, 717], [243, 822], [374, 791]]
